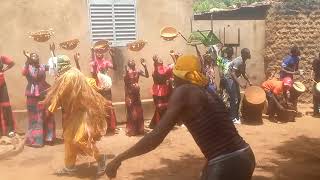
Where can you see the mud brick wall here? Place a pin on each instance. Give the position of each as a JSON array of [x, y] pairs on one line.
[[293, 23]]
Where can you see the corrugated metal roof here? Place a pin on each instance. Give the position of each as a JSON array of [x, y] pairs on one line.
[[251, 12]]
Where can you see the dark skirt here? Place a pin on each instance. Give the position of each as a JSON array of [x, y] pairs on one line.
[[238, 165], [7, 122], [135, 121], [41, 124], [111, 120], [161, 104]]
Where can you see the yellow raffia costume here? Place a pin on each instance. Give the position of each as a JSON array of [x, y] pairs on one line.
[[84, 111]]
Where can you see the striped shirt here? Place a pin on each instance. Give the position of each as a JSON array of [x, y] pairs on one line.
[[212, 129]]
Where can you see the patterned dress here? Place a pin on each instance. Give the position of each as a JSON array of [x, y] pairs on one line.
[[102, 65], [135, 121], [209, 72], [41, 125], [161, 91], [7, 122]]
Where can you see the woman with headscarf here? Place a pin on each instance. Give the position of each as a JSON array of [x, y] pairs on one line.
[[227, 155], [161, 89], [100, 70], [83, 116], [135, 121], [7, 122], [41, 125]]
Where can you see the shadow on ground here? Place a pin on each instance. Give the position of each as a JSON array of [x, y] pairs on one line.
[[299, 160], [188, 167], [88, 170]]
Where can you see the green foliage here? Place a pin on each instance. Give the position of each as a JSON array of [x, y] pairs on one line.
[[206, 5]]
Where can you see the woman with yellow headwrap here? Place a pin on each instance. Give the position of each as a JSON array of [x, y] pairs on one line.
[[189, 69], [84, 113], [229, 157]]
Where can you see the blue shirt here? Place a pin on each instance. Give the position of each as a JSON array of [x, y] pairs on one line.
[[290, 63]]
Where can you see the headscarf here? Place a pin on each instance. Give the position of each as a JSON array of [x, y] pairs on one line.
[[63, 64], [188, 68]]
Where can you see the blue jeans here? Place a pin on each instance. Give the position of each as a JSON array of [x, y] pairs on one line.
[[233, 90]]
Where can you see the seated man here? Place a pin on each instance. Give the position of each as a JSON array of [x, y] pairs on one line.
[[275, 88], [206, 117]]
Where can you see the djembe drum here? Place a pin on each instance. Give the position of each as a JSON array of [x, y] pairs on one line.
[[290, 113], [253, 104]]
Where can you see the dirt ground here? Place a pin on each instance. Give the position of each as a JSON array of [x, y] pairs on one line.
[[283, 151]]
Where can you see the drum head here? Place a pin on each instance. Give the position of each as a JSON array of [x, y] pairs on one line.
[[255, 95], [318, 87], [299, 87]]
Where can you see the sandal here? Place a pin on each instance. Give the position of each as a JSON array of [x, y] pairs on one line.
[[66, 172]]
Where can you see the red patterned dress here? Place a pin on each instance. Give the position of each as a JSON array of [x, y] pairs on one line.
[[161, 91], [7, 122], [135, 121], [103, 65]]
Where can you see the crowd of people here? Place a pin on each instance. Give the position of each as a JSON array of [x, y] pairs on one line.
[[185, 91]]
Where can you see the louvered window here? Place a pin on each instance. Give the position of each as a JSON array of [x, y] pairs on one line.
[[114, 20]]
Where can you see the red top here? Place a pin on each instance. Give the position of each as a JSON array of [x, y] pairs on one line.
[[100, 64], [275, 86], [4, 60], [131, 82], [161, 75]]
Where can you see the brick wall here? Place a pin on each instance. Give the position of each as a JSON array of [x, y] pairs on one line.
[[293, 23]]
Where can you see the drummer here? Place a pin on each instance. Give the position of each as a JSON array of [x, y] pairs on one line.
[[316, 90], [275, 88]]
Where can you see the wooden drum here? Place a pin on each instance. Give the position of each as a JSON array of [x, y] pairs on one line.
[[253, 104]]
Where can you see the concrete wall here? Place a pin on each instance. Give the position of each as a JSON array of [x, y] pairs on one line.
[[69, 19], [252, 36]]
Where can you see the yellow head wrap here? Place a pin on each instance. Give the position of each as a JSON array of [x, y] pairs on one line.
[[188, 68]]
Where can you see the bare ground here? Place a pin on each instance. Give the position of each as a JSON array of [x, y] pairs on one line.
[[283, 152]]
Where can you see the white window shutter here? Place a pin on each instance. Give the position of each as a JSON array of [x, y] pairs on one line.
[[114, 20]]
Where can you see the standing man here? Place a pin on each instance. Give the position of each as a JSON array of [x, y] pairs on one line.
[[237, 68], [316, 78], [290, 64], [223, 65], [206, 117]]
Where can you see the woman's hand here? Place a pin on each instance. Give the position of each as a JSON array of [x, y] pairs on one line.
[[76, 57], [26, 53], [143, 62]]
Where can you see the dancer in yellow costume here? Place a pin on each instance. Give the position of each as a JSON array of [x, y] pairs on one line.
[[84, 113]]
